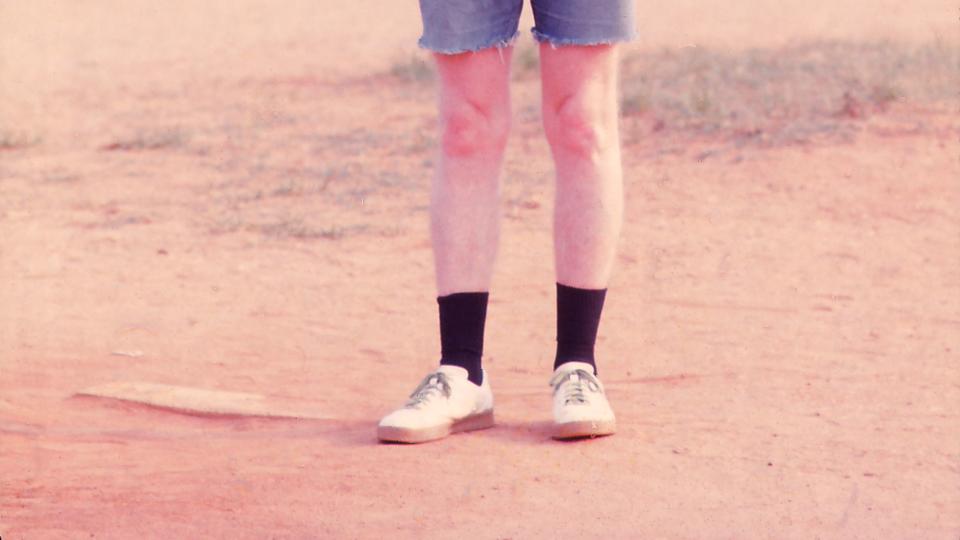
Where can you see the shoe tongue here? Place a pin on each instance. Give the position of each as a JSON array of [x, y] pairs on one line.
[[453, 371], [570, 366]]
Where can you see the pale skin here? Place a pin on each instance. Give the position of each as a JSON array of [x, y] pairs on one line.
[[579, 102]]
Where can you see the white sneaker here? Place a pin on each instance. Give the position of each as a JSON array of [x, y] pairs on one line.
[[580, 407], [445, 402]]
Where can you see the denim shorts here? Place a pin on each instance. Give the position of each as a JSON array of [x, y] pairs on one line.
[[456, 26]]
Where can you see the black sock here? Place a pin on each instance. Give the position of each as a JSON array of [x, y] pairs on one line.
[[578, 317], [462, 318]]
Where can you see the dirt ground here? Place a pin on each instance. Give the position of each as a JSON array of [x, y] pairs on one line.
[[232, 196]]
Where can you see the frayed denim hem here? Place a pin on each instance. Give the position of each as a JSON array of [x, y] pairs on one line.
[[498, 42], [560, 42]]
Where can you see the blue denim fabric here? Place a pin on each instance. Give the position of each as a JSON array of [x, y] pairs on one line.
[[455, 26]]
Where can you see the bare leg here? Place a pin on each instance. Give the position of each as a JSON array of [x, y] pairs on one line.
[[580, 119], [465, 198]]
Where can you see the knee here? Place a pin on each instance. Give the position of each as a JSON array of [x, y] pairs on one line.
[[473, 129], [580, 126]]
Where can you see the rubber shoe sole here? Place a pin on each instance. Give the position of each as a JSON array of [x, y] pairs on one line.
[[584, 429], [396, 434]]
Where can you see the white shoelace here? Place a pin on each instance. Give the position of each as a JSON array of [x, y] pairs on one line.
[[436, 383], [574, 390]]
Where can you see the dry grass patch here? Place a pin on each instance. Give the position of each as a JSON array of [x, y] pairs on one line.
[[786, 94], [413, 68], [11, 139], [152, 139]]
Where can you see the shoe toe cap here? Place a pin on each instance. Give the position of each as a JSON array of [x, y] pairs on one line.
[[409, 418], [583, 413]]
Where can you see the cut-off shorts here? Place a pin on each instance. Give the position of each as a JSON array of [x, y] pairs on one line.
[[456, 26]]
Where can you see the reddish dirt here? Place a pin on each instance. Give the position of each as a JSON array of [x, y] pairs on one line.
[[237, 193]]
